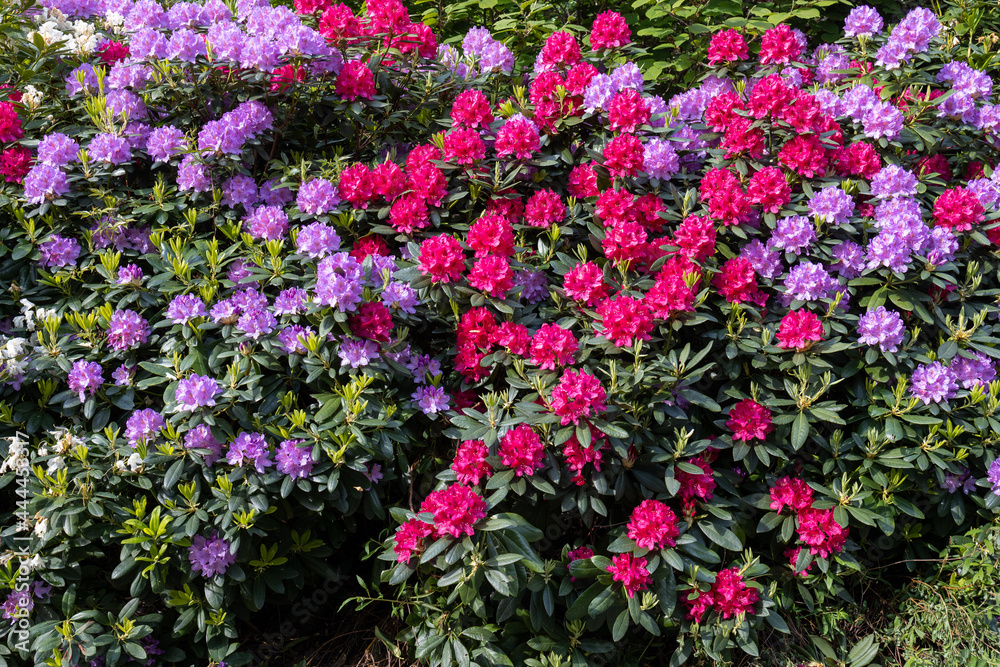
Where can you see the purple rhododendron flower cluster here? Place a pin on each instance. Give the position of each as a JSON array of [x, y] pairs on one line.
[[293, 459], [832, 205], [317, 197], [863, 21], [881, 327], [58, 251], [488, 54], [201, 437], [210, 555], [57, 149], [186, 307], [196, 391], [793, 234], [357, 353], [910, 36], [126, 330], [339, 281], [267, 222], [45, 182], [317, 240], [249, 449], [84, 378], [430, 399], [143, 426]]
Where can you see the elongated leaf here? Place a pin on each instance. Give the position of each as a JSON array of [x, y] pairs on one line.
[[581, 606], [800, 431], [620, 626], [725, 538], [863, 652]]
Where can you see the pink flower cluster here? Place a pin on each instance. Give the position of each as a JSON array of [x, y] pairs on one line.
[[455, 509], [470, 464], [701, 485], [816, 527], [631, 571], [728, 597], [577, 396], [799, 329], [653, 525], [522, 450], [749, 420], [577, 456], [610, 31]]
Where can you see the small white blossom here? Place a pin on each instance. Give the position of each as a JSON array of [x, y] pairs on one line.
[[65, 441], [84, 40], [55, 15], [32, 564], [114, 21], [31, 97], [51, 34], [56, 463], [17, 455], [135, 462]]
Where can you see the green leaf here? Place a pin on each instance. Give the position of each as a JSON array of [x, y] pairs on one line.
[[699, 399], [434, 550], [620, 627], [863, 652], [400, 573], [611, 429], [501, 479], [155, 369], [123, 568], [325, 412], [498, 580], [701, 552], [806, 13], [504, 559], [173, 474], [800, 431], [777, 622], [787, 527], [769, 522], [135, 650], [947, 350], [689, 468], [824, 647], [493, 523], [921, 419], [581, 606], [600, 604], [900, 300], [725, 538]]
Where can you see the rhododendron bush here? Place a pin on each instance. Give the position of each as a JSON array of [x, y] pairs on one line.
[[583, 364]]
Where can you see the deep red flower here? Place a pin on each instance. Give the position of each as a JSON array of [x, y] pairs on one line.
[[609, 31], [749, 420], [373, 321], [631, 571], [799, 328], [653, 525], [727, 46], [790, 492]]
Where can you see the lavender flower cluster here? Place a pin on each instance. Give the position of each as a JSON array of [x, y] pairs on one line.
[[936, 382], [485, 53]]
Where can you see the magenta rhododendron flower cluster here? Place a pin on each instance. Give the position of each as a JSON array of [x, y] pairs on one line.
[[567, 354]]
